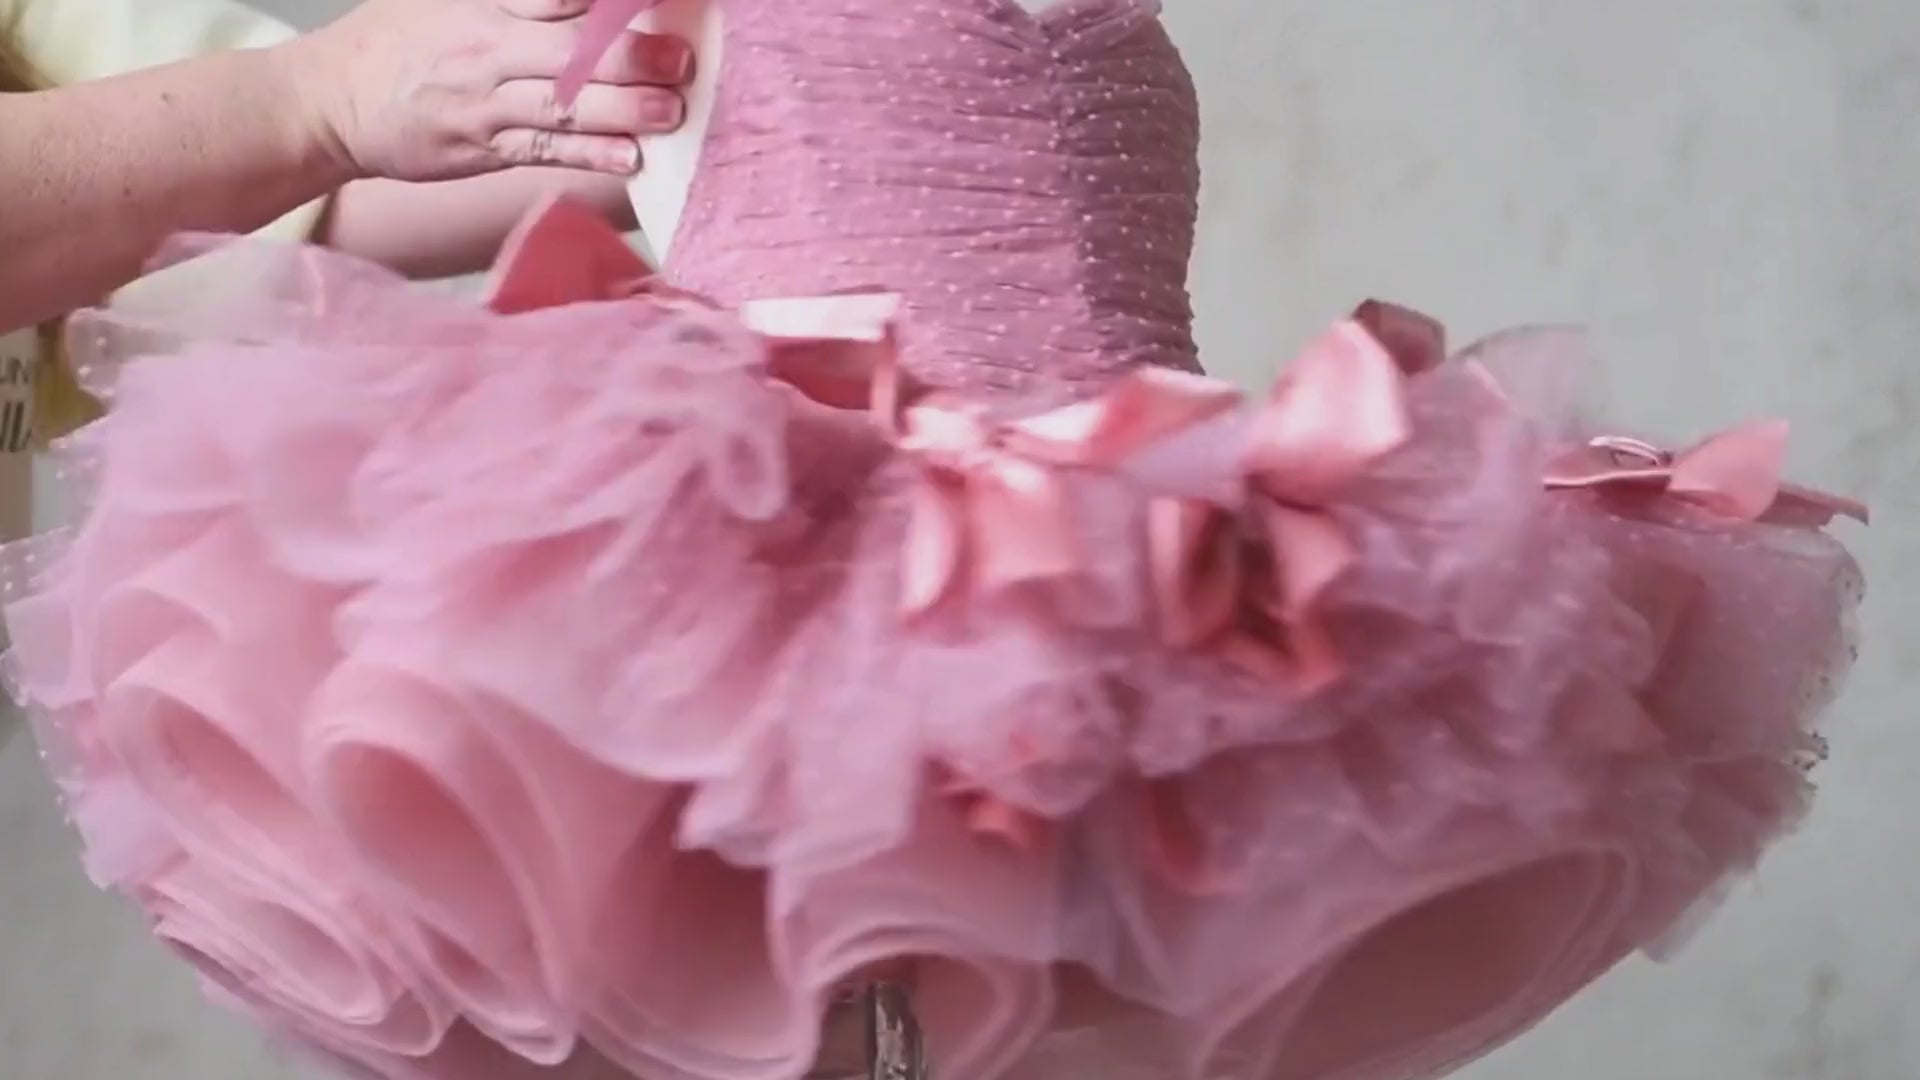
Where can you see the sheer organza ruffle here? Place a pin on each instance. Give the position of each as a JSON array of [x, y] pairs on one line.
[[562, 693]]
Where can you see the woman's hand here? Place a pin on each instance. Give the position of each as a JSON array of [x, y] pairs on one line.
[[440, 89]]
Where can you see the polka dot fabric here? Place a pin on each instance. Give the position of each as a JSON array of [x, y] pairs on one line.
[[598, 683], [1028, 182]]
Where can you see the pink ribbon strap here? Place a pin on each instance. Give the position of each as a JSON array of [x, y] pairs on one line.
[[602, 25]]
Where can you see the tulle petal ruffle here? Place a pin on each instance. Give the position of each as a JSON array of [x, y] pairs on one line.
[[597, 690]]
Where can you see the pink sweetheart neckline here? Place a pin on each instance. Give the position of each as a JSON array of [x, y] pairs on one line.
[[607, 19]]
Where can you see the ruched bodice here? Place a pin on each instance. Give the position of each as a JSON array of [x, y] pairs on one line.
[[1027, 181]]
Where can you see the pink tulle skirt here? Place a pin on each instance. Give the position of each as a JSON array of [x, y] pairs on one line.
[[600, 689]]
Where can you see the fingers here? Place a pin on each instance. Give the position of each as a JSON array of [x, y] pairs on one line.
[[613, 154], [631, 94], [600, 110], [597, 133], [541, 51], [544, 10]]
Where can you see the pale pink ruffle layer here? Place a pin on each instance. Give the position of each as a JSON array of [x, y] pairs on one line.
[[488, 697]]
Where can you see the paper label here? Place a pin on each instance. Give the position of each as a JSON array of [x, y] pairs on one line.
[[19, 376]]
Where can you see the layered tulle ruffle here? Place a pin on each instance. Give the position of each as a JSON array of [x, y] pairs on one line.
[[597, 684]]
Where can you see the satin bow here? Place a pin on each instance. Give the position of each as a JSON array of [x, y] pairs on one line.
[[1416, 341], [840, 350], [1248, 582], [1733, 475], [992, 507]]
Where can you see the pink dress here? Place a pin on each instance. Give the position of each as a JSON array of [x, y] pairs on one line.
[[595, 683]]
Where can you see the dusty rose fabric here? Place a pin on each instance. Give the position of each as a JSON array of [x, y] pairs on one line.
[[591, 686]]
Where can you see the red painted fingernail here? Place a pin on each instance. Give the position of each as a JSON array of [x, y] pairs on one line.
[[663, 111], [668, 58], [627, 159]]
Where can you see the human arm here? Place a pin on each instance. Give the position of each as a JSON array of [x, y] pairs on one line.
[[97, 173]]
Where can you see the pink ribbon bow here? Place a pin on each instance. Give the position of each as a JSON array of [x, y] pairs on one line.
[[992, 509], [1248, 583], [1733, 475], [1416, 341]]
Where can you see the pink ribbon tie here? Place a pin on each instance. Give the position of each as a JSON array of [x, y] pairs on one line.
[[562, 252], [1416, 341], [1733, 475]]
